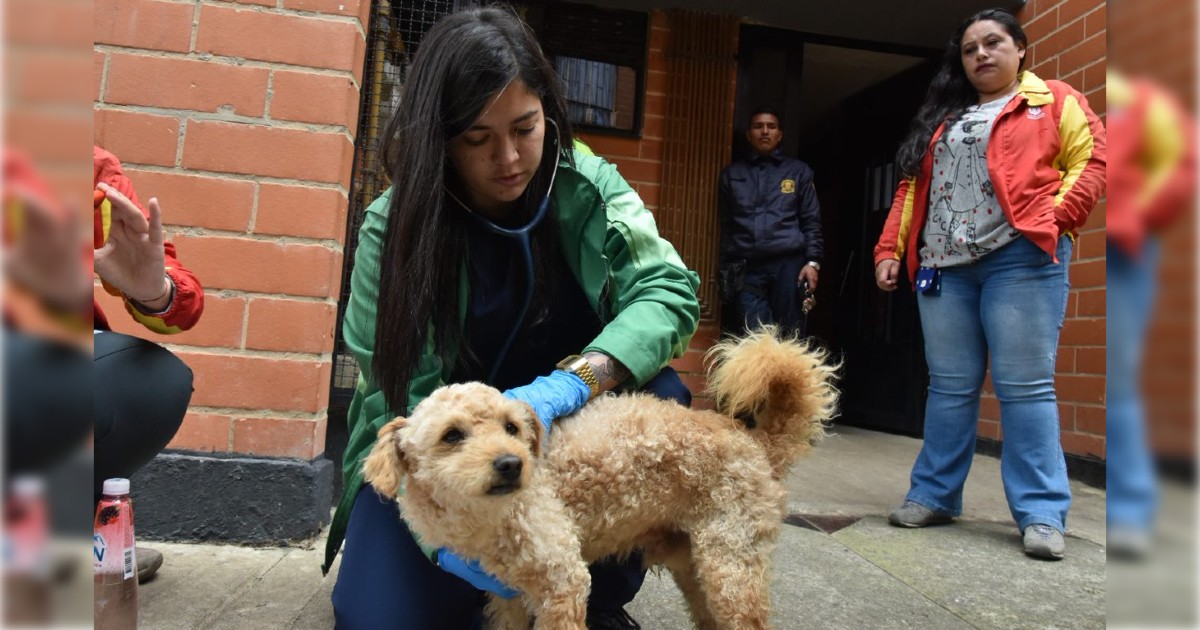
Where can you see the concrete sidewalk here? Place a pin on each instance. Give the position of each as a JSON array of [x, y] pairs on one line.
[[838, 563]]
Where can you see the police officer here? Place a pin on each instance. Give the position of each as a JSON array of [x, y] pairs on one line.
[[770, 230]]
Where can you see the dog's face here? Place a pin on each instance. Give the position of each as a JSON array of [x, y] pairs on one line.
[[465, 441]]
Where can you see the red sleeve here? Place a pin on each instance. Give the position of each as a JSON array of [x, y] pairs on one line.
[[1178, 185], [1084, 157], [895, 230]]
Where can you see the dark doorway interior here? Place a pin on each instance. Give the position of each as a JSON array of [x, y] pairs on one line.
[[846, 105], [877, 333]]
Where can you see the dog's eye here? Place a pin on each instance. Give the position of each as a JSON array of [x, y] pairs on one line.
[[511, 428], [454, 436]]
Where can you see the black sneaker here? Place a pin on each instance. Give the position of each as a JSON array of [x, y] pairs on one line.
[[611, 619]]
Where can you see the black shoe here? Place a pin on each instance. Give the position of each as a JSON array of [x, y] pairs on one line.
[[611, 619]]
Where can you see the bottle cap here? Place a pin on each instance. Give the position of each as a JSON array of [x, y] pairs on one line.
[[28, 486], [116, 486]]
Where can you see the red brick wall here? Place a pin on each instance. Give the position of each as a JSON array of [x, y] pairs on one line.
[[1067, 42], [240, 118]]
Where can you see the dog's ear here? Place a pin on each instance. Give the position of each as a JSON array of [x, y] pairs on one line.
[[530, 420], [385, 466]]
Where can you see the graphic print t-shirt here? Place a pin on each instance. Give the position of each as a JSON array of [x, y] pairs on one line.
[[965, 220]]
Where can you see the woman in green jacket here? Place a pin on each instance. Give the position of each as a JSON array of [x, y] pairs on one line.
[[503, 253]]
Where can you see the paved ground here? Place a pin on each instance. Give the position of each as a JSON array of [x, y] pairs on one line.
[[857, 573]]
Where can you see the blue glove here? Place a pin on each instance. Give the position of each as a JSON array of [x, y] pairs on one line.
[[473, 574], [560, 394]]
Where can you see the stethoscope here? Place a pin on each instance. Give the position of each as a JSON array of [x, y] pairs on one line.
[[522, 236]]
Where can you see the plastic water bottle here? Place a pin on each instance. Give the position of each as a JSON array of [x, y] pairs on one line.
[[25, 550], [114, 559]]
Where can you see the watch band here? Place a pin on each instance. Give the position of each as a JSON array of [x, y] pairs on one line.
[[814, 264], [579, 366]]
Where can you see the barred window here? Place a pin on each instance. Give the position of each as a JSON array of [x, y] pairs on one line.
[[600, 56]]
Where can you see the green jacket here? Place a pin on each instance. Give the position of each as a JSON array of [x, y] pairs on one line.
[[633, 278]]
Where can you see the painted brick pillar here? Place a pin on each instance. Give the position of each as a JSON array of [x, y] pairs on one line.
[[240, 117]]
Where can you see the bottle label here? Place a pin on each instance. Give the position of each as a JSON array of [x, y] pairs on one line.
[[112, 542], [99, 550]]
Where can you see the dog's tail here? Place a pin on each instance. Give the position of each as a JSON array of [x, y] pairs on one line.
[[780, 387]]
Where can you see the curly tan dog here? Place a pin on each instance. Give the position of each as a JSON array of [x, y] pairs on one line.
[[696, 490]]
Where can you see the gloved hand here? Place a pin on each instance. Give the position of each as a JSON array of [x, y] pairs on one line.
[[561, 393], [470, 571]]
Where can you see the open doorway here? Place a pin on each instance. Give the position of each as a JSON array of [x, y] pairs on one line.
[[846, 104]]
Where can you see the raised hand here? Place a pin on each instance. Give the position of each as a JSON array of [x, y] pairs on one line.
[[131, 259]]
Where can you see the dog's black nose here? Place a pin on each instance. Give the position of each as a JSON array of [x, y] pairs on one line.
[[509, 466]]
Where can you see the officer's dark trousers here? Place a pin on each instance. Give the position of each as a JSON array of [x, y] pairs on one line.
[[770, 294]]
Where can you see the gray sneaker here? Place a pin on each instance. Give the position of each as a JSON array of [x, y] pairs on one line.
[[1128, 543], [1043, 541], [148, 562], [913, 514]]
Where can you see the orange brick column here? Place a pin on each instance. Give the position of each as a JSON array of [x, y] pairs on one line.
[[1067, 42], [240, 118]]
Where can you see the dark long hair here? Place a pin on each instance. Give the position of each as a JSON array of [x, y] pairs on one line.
[[950, 92], [463, 61]]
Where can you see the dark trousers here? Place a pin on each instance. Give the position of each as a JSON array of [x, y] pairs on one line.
[[770, 294], [386, 582], [141, 395], [47, 403]]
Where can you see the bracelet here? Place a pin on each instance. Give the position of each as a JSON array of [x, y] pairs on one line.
[[166, 292]]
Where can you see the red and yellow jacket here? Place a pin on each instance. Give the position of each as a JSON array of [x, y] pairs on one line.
[[1152, 157], [1046, 160], [188, 302]]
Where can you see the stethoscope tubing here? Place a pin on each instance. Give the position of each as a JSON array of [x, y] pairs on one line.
[[522, 236]]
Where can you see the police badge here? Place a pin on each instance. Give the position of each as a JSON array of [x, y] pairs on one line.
[[787, 186]]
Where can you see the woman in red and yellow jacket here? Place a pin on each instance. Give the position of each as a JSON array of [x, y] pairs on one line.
[[1001, 168]]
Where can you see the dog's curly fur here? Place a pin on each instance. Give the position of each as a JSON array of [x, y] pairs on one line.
[[696, 491]]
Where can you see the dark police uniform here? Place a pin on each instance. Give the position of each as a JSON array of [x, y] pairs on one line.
[[771, 223]]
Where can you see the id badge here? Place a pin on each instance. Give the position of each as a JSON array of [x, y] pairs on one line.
[[929, 280]]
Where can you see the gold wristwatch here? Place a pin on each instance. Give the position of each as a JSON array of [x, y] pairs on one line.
[[579, 366]]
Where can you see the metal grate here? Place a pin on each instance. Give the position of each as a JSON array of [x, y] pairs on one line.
[[395, 32]]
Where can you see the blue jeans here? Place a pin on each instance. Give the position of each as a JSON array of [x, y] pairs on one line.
[[1010, 304], [385, 581], [1132, 492]]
